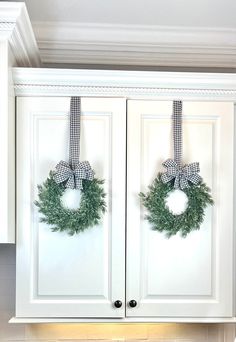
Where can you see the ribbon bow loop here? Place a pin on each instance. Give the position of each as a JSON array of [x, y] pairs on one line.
[[73, 177], [181, 174]]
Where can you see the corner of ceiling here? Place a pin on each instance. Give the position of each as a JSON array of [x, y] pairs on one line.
[[16, 28], [74, 44]]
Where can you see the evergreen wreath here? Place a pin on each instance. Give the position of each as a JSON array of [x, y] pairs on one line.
[[92, 206], [184, 178], [162, 219], [72, 175]]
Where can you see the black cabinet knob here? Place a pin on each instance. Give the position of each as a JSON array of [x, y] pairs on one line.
[[132, 303], [118, 304]]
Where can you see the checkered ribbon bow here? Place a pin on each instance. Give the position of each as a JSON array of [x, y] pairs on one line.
[[174, 169], [75, 171], [73, 177], [181, 175]]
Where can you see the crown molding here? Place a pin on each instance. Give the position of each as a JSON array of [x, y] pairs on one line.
[[15, 26], [129, 84], [62, 42]]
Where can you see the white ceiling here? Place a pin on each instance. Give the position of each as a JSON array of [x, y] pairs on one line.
[[203, 13], [156, 33]]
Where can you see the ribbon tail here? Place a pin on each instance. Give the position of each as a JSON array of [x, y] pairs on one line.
[[78, 183], [177, 182], [70, 184], [83, 171], [90, 175], [183, 182]]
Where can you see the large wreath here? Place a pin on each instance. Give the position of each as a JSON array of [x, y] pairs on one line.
[[162, 219], [92, 205]]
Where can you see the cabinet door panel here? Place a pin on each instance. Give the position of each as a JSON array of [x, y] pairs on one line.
[[58, 274], [189, 276]]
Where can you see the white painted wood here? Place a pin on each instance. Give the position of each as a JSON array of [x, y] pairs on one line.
[[17, 48], [59, 275], [119, 44], [150, 85], [214, 320], [7, 146], [189, 277], [130, 84], [16, 28]]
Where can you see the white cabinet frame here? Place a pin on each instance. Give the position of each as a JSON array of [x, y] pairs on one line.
[[17, 48], [131, 85]]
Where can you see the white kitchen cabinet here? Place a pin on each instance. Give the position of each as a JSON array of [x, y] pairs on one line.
[[63, 278], [60, 275], [17, 48], [189, 276], [7, 147]]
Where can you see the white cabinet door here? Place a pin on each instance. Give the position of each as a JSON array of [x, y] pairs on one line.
[[189, 276], [57, 274]]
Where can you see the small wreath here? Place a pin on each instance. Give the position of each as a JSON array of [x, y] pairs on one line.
[[185, 180], [92, 206], [162, 219], [77, 175]]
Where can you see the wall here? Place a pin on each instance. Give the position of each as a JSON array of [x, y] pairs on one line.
[[88, 332]]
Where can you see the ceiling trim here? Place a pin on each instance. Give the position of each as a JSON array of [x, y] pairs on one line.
[[15, 27], [130, 84], [62, 42]]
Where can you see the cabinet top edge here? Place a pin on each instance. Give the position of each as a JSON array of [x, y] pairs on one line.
[[122, 83], [25, 74]]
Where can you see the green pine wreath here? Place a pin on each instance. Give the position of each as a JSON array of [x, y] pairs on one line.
[[73, 221], [162, 219]]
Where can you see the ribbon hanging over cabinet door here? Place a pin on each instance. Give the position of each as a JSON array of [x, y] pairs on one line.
[[75, 171], [174, 169]]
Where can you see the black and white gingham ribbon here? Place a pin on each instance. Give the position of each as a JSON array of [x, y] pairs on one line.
[[174, 170], [177, 131], [74, 172]]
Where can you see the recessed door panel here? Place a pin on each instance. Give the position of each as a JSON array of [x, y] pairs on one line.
[[58, 274], [189, 276]]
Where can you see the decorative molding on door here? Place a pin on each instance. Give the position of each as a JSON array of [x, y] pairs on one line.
[[83, 43], [135, 84], [15, 27]]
